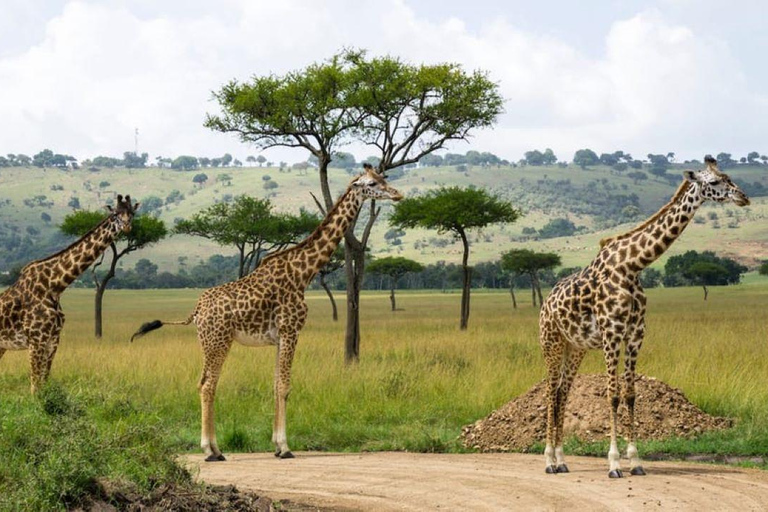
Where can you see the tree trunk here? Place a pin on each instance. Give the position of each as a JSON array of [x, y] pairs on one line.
[[706, 292], [354, 264], [392, 293], [241, 262], [101, 287], [533, 292], [465, 289], [538, 290], [330, 297], [512, 293], [97, 319]]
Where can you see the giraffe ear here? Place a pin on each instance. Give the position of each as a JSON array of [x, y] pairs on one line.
[[136, 206], [108, 208], [690, 176]]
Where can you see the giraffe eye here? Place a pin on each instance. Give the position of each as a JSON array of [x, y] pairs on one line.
[[715, 182], [371, 184]]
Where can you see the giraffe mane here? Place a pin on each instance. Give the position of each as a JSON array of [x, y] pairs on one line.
[[316, 233], [59, 253], [682, 189]]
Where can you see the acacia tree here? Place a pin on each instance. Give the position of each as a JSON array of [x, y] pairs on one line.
[[250, 225], [405, 111], [525, 261], [395, 267], [408, 112], [454, 210], [707, 273], [145, 231]]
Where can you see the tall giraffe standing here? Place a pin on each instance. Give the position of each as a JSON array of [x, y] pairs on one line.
[[267, 307], [30, 313], [603, 307]]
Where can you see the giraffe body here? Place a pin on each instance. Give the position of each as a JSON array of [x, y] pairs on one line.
[[31, 317], [603, 307], [267, 307]]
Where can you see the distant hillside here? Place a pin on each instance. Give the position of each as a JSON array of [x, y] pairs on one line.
[[596, 201]]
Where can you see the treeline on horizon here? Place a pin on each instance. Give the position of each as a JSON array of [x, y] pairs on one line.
[[619, 160], [443, 276]]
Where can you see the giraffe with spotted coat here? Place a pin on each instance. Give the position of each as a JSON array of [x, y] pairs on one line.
[[603, 307], [267, 307], [30, 313]]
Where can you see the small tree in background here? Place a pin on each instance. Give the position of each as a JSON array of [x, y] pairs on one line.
[[525, 261], [249, 224], [763, 270], [454, 210], [395, 267], [707, 273], [145, 231]]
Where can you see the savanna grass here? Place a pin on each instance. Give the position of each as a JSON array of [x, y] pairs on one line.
[[419, 380]]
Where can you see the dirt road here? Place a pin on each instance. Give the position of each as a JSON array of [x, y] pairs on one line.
[[408, 481]]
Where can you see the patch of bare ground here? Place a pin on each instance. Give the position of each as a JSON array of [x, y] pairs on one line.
[[661, 411], [111, 496]]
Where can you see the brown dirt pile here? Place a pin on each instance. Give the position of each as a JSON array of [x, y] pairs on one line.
[[660, 412]]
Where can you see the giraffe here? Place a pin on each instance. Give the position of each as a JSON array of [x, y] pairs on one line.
[[267, 307], [603, 307], [30, 313]]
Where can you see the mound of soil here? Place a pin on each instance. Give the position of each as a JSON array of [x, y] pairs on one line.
[[661, 411]]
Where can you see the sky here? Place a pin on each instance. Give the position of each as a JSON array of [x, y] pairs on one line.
[[686, 76]]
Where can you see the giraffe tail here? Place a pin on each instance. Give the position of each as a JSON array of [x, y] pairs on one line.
[[156, 324]]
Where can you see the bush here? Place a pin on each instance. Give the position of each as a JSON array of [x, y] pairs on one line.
[[56, 449]]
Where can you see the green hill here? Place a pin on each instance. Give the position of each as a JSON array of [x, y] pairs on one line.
[[598, 201]]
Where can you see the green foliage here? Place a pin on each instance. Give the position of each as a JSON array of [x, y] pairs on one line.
[[394, 266], [525, 261], [250, 225], [585, 157], [54, 451], [145, 230], [452, 209], [200, 178], [536, 157], [705, 268], [763, 270], [185, 163], [557, 227], [650, 278]]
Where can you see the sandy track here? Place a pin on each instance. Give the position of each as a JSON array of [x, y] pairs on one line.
[[408, 481]]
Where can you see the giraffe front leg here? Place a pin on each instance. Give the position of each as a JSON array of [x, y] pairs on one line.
[[285, 352], [38, 365], [611, 351]]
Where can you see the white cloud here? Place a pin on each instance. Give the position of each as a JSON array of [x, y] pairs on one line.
[[102, 69]]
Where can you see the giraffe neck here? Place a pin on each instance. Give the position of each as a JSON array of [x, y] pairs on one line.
[[635, 250], [312, 254], [64, 267]]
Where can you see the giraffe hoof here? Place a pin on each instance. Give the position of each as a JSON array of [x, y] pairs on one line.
[[286, 455], [637, 471], [215, 458], [562, 468], [551, 470], [615, 473]]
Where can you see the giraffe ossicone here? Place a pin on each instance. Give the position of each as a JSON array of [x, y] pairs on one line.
[[603, 307], [30, 313], [267, 307]]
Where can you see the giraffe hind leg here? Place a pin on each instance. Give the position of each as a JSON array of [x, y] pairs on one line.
[[571, 362], [553, 347]]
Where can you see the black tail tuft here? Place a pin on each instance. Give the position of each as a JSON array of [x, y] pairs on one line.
[[147, 327]]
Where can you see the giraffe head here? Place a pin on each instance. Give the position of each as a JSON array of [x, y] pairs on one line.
[[716, 185], [123, 212], [372, 184]]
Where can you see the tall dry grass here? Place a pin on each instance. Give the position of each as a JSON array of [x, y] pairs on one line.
[[420, 378]]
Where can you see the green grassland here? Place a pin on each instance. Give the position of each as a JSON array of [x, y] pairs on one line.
[[419, 380], [529, 188]]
